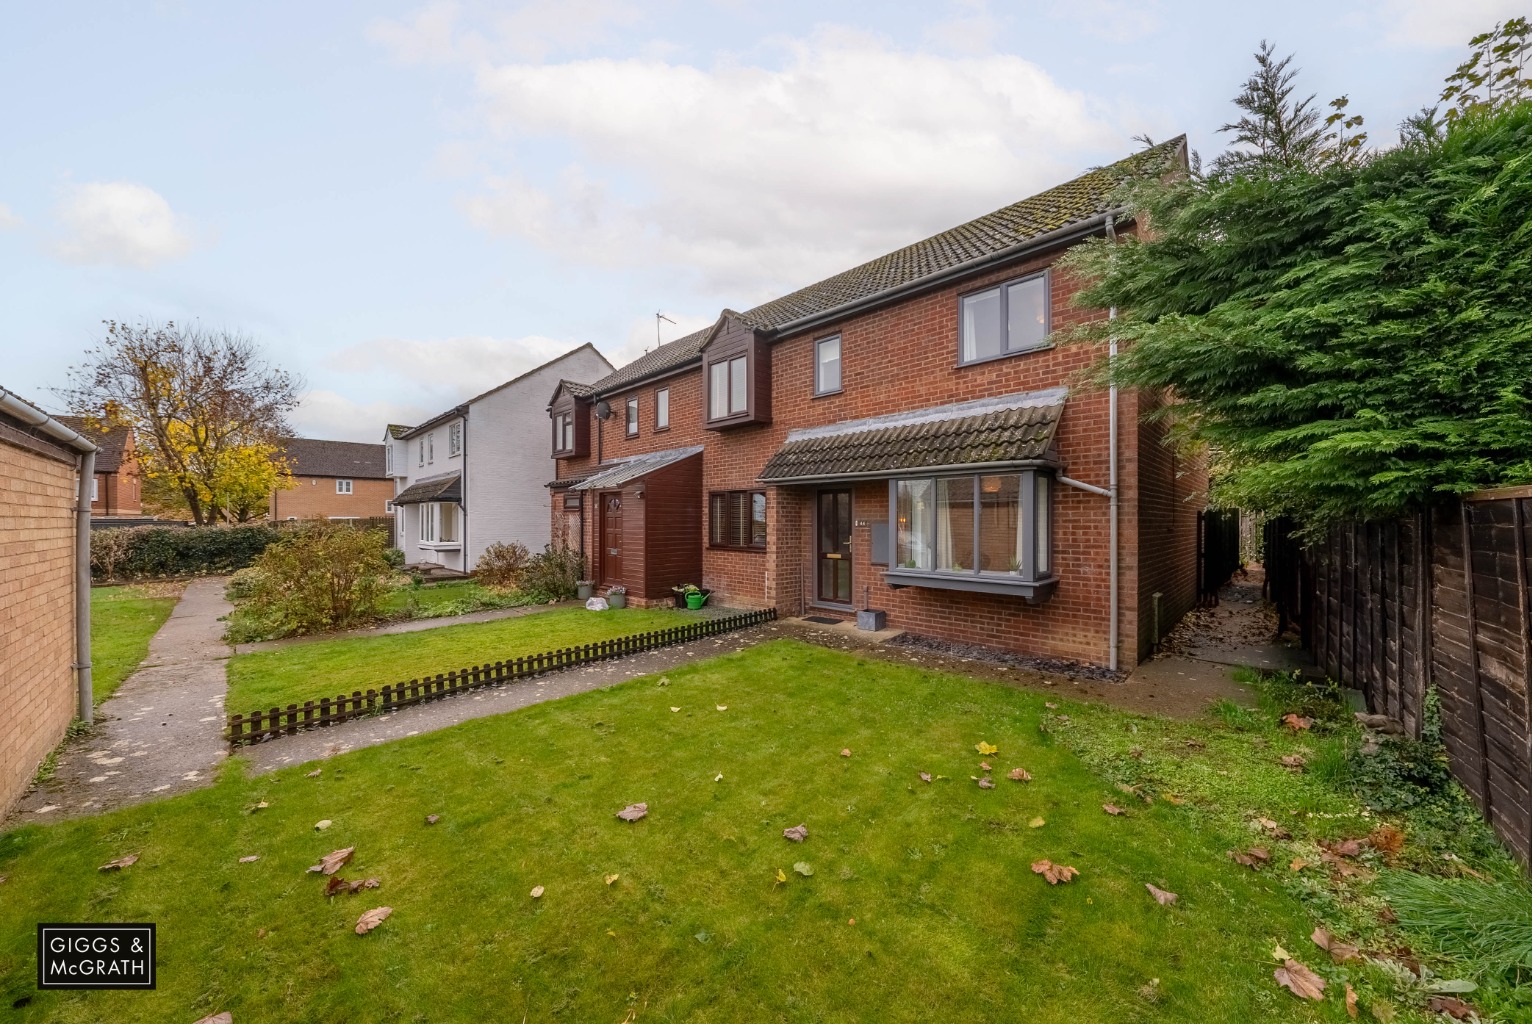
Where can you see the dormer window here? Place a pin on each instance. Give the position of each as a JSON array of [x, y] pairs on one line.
[[569, 418], [727, 395], [736, 373], [563, 433]]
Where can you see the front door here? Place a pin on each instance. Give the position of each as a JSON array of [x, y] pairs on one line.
[[611, 538], [834, 547]]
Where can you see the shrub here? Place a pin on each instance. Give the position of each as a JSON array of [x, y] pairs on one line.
[[320, 577], [501, 565], [242, 584], [394, 557], [552, 574], [150, 552]]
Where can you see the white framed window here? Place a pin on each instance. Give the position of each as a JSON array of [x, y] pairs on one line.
[[439, 522], [388, 458], [455, 439], [563, 433], [95, 489], [633, 417], [422, 447], [343, 487], [389, 507], [427, 524], [431, 447], [1005, 319], [992, 525], [827, 365], [662, 409], [726, 391]]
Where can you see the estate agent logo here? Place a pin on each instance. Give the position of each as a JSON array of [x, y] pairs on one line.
[[77, 956]]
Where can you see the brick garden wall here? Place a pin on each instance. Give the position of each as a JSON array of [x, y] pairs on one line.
[[37, 686]]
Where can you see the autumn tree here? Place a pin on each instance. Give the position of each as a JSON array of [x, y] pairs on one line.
[[207, 408]]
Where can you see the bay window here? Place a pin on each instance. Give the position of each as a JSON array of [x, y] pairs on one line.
[[563, 434], [726, 393], [987, 532], [1005, 319], [439, 521]]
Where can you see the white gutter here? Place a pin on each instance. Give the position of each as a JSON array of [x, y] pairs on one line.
[[46, 424]]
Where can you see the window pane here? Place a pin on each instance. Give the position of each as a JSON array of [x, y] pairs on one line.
[[914, 505], [632, 416], [1044, 521], [981, 326], [718, 517], [662, 408], [954, 524], [737, 384], [1000, 525], [718, 391], [568, 432], [758, 519], [739, 519], [448, 531], [1026, 308], [827, 375]]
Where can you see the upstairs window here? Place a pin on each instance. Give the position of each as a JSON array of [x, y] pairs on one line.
[[662, 409], [563, 433], [343, 487], [431, 447], [633, 417], [726, 391], [737, 519], [455, 439], [388, 458], [422, 444], [1005, 319], [827, 366]]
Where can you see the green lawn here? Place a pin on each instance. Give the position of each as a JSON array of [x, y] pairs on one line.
[[921, 906], [451, 597], [122, 619], [326, 668]]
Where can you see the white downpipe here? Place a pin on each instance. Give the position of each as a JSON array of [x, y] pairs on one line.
[[1112, 631]]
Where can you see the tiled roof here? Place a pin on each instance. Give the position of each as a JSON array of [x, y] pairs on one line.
[[459, 410], [398, 430], [308, 456], [1012, 428], [1074, 202], [110, 443], [448, 487], [631, 469]]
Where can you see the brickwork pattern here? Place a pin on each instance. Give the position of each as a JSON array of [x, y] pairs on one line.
[[314, 497], [37, 687]]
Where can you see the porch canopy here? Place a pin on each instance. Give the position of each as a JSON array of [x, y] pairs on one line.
[[440, 488], [1008, 431], [618, 473]]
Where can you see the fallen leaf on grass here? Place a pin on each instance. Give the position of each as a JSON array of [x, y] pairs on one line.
[[1293, 761], [925, 776], [1253, 858], [1278, 953], [335, 885], [1346, 848], [798, 833], [1195, 745], [537, 892], [1298, 864], [1161, 897], [985, 766], [1036, 823], [986, 783], [1137, 753], [986, 748], [675, 709], [612, 878], [322, 824], [314, 774], [119, 863], [1274, 828], [1451, 1006], [781, 876], [218, 1018], [1296, 722], [1387, 840], [1054, 873], [1339, 951], [1300, 981], [1019, 775], [432, 819], [633, 812], [243, 860], [370, 920], [332, 862], [1112, 809], [845, 752], [1177, 800], [1350, 1001], [718, 777], [1049, 705], [804, 868], [723, 707]]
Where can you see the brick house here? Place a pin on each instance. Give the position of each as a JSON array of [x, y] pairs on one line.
[[903, 436], [333, 480], [472, 476], [117, 488], [44, 590]]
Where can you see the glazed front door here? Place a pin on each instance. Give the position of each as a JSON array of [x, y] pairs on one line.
[[611, 538], [834, 547]]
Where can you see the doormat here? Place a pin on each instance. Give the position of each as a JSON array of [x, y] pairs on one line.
[[823, 620]]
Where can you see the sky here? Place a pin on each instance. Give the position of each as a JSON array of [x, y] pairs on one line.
[[408, 204]]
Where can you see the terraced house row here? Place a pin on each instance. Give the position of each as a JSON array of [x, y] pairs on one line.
[[905, 436]]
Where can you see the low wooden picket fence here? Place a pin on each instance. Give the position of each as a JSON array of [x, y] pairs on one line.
[[265, 725]]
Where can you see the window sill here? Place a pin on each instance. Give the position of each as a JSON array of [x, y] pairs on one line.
[[441, 545], [734, 547], [1033, 591], [829, 394], [1046, 346]]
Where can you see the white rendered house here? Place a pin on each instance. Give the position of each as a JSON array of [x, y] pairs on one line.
[[475, 474]]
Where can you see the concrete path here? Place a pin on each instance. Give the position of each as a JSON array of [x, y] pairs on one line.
[[409, 626], [160, 733]]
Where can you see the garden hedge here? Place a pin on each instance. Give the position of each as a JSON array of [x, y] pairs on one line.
[[149, 552]]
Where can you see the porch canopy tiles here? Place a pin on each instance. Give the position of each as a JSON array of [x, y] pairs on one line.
[[1008, 431], [440, 488], [617, 474]]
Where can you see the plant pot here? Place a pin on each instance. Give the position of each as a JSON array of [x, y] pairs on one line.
[[584, 589], [617, 600], [680, 597], [695, 601], [871, 619]]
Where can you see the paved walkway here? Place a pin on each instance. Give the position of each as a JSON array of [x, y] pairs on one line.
[[160, 733]]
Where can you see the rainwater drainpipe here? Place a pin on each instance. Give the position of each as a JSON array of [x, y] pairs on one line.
[[86, 451]]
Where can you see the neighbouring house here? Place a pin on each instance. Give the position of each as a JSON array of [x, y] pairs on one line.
[[333, 480], [116, 490], [44, 588], [473, 475], [907, 437]]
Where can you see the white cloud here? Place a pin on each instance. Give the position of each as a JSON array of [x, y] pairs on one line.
[[333, 416], [757, 178], [1436, 24], [121, 223], [8, 219], [437, 33]]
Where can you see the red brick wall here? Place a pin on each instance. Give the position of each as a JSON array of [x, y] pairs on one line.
[[314, 497], [1174, 489]]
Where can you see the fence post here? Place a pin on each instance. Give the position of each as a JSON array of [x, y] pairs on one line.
[[236, 726], [1518, 523], [292, 720]]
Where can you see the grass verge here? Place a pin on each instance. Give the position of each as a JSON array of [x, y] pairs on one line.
[[325, 668], [122, 621]]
